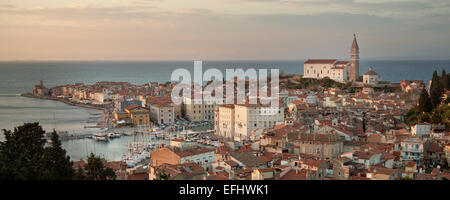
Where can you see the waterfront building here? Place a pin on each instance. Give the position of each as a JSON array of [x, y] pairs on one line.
[[40, 90], [128, 102], [371, 77], [100, 97], [138, 115], [161, 110]]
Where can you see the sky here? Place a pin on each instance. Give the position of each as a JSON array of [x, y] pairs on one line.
[[223, 29]]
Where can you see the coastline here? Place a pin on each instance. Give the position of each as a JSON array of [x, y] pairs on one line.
[[101, 121], [98, 107]]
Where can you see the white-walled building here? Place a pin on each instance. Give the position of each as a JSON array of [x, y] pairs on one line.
[[255, 116], [239, 120], [421, 129], [371, 77], [197, 110], [341, 71], [224, 121], [331, 68], [161, 110]]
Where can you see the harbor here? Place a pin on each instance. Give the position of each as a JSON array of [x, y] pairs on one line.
[[131, 144]]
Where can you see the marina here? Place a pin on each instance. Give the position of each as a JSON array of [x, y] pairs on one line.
[[131, 145]]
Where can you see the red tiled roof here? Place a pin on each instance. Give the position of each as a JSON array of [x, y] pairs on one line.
[[342, 62], [142, 176], [294, 175], [359, 178], [131, 107], [320, 61]]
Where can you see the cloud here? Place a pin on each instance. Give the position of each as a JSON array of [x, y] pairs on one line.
[[140, 29]]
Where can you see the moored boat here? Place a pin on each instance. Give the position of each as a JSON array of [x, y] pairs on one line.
[[100, 137]]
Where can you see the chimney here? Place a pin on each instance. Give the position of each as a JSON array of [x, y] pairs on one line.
[[42, 83]]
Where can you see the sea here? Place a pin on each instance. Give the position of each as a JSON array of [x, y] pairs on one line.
[[18, 77]]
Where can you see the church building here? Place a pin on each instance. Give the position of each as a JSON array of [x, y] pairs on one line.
[[341, 71]]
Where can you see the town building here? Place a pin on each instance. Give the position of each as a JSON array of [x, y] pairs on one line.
[[412, 149], [371, 77], [185, 171], [224, 121], [197, 110], [239, 120], [331, 68], [40, 90], [161, 110], [325, 146], [135, 114], [421, 129], [341, 71], [174, 156]]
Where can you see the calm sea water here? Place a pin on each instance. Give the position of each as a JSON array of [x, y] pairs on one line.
[[20, 77]]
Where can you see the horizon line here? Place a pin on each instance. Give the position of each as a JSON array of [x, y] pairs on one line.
[[186, 60]]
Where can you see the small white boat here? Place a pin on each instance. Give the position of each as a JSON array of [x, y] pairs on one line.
[[100, 137], [113, 135]]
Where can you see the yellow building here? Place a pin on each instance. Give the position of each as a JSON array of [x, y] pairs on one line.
[[410, 169], [197, 110], [138, 115]]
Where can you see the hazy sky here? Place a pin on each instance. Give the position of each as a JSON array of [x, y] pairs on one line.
[[222, 29]]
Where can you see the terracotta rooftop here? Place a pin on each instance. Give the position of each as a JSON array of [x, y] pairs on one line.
[[320, 61]]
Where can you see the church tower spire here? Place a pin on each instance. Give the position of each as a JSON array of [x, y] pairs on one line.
[[354, 61]]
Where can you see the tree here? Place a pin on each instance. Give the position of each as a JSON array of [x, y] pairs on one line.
[[21, 152], [95, 170], [56, 164], [436, 118], [448, 81], [436, 90], [425, 102], [163, 176], [23, 157], [444, 80], [424, 117], [79, 174]]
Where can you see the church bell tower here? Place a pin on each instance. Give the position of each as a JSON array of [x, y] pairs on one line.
[[354, 61]]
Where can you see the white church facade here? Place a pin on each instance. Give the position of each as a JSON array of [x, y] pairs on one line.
[[340, 71], [331, 68]]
